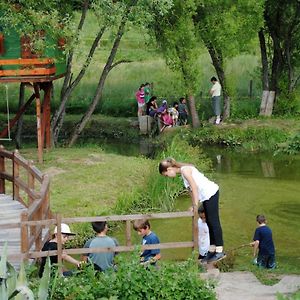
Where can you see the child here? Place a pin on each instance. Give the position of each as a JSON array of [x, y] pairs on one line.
[[183, 112], [147, 92], [204, 190], [203, 233], [143, 228], [263, 244], [174, 113], [52, 245], [140, 99], [102, 260]]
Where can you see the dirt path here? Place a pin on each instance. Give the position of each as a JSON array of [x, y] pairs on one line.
[[245, 286]]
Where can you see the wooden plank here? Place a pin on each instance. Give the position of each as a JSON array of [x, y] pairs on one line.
[[26, 61], [37, 254], [35, 71], [45, 78]]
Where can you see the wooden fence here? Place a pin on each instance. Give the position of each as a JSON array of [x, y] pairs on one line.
[[31, 188], [39, 216]]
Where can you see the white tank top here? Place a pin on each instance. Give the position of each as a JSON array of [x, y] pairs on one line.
[[206, 187]]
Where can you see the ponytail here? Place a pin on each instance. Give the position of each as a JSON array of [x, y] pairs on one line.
[[170, 163]]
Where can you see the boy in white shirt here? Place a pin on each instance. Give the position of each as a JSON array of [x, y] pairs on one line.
[[203, 234]]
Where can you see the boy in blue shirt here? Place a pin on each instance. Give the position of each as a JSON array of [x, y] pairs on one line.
[[263, 244], [143, 228]]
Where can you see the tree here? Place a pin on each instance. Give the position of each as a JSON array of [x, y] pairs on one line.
[[136, 11], [175, 35], [279, 52], [226, 28]]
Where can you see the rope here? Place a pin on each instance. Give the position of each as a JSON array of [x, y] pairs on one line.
[[238, 247]]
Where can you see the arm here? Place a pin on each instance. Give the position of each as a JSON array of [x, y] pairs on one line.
[[255, 245], [187, 173], [70, 259]]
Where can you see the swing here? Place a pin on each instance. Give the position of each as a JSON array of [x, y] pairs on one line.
[[7, 111]]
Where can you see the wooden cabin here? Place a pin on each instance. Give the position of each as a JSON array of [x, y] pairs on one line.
[[21, 61]]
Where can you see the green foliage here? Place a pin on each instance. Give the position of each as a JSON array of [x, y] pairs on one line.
[[291, 146], [159, 193], [134, 281], [15, 286], [296, 296], [250, 138]]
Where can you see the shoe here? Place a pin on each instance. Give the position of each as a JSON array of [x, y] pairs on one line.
[[208, 256], [217, 256]]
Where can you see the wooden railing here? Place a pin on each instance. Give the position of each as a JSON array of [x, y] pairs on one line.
[[38, 215], [31, 188], [126, 219]]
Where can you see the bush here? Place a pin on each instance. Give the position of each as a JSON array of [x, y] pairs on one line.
[[134, 281]]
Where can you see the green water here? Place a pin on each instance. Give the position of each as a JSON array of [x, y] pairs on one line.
[[250, 184]]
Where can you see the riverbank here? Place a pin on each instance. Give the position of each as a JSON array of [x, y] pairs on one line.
[[254, 135]]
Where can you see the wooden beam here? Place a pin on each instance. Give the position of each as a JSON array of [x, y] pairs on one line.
[[34, 71], [17, 116], [26, 61], [38, 121]]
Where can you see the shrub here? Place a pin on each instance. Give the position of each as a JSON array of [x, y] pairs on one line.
[[134, 281]]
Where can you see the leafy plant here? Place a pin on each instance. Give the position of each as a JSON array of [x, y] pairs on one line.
[[15, 286], [134, 281]]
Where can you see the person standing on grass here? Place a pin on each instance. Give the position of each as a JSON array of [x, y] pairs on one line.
[[264, 250], [215, 92], [140, 99], [203, 233], [204, 190], [147, 92]]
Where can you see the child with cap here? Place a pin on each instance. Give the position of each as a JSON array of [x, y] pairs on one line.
[[52, 245]]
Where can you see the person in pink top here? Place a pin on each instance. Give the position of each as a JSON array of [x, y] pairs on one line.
[[140, 98]]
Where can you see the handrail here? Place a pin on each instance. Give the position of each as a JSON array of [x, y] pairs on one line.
[[33, 254], [38, 214], [36, 189]]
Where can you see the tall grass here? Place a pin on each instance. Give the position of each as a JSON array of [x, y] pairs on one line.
[[159, 192]]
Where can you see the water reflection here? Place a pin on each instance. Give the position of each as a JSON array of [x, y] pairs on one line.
[[255, 165]]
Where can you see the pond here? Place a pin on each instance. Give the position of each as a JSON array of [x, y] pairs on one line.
[[250, 184]]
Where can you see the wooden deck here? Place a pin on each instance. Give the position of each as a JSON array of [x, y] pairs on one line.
[[10, 212]]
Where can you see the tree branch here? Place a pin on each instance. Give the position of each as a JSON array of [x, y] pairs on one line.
[[123, 61]]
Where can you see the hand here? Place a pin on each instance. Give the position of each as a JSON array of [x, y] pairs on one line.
[[191, 208]]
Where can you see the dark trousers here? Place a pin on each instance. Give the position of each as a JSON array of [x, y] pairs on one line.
[[211, 209]]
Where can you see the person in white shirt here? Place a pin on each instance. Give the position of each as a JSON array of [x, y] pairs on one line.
[[203, 234], [201, 190], [215, 92]]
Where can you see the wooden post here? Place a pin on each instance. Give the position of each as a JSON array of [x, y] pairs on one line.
[[251, 89], [16, 175], [38, 122], [47, 114], [24, 235], [59, 243], [128, 233], [2, 169]]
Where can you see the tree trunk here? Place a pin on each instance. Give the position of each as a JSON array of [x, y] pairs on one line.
[[217, 60], [193, 111], [68, 87], [108, 66], [20, 121], [264, 73]]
